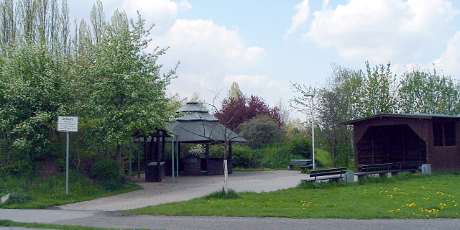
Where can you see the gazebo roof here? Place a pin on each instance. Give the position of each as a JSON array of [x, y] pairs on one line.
[[198, 126], [192, 106]]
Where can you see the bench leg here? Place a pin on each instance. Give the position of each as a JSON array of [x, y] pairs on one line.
[[388, 174]]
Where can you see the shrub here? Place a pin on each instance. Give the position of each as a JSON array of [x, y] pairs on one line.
[[261, 131], [18, 198], [299, 145], [107, 175], [231, 194], [276, 156], [245, 157]]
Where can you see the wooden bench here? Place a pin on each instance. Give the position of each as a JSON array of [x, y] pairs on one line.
[[410, 166], [380, 169], [333, 174], [302, 163]]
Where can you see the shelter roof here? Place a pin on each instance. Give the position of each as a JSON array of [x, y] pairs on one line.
[[192, 106], [204, 132], [198, 126], [409, 116]]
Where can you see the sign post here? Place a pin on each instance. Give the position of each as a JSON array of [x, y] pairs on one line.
[[67, 124]]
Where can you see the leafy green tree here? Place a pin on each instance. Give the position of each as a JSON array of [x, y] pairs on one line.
[[260, 131], [379, 91], [35, 91], [127, 90], [427, 92], [340, 100]]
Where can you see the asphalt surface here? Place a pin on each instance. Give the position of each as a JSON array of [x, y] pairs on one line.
[[96, 214], [121, 221]]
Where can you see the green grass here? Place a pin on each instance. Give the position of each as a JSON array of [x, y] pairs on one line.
[[324, 157], [9, 223], [38, 193], [405, 196]]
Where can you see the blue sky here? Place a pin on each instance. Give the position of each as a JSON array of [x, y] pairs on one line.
[[264, 45]]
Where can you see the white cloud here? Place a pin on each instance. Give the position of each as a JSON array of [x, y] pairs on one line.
[[163, 13], [207, 52], [386, 30], [450, 59], [303, 12], [203, 46]]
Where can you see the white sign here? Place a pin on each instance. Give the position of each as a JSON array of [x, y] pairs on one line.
[[67, 124]]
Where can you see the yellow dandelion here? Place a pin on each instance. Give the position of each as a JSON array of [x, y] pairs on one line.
[[411, 205]]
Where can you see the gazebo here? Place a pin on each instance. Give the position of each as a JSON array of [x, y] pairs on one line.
[[389, 138], [196, 125]]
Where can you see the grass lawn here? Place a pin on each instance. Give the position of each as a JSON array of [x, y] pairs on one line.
[[404, 196], [51, 191]]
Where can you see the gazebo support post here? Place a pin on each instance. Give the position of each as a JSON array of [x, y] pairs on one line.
[[159, 139], [147, 146], [207, 159], [178, 156], [230, 155]]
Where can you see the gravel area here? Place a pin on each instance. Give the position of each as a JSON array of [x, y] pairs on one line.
[[190, 187]]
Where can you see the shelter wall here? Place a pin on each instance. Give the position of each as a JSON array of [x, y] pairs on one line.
[[441, 158]]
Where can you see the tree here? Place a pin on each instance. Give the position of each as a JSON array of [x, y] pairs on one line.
[[237, 109], [338, 101], [35, 91], [379, 91], [127, 90], [260, 131], [427, 92]]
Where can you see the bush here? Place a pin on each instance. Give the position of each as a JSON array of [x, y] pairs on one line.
[[276, 156], [231, 194], [299, 145], [261, 131], [18, 198], [107, 175], [245, 157]]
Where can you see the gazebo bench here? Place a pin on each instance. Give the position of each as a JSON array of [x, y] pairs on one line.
[[411, 166], [373, 169], [333, 174], [304, 164]]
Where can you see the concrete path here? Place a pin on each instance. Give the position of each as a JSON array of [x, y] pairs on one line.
[[119, 220], [190, 187]]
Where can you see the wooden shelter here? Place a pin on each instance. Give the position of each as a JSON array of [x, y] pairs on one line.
[[196, 125], [391, 138]]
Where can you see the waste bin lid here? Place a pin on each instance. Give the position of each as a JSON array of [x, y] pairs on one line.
[[155, 163]]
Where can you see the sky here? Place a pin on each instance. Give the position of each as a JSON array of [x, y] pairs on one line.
[[267, 45]]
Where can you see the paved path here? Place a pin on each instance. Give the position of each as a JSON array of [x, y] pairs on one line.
[[120, 221], [190, 187]]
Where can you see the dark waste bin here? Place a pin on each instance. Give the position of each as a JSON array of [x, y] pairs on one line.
[[153, 174]]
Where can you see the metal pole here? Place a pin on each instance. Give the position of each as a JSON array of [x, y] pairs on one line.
[[313, 134], [67, 167], [312, 130]]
